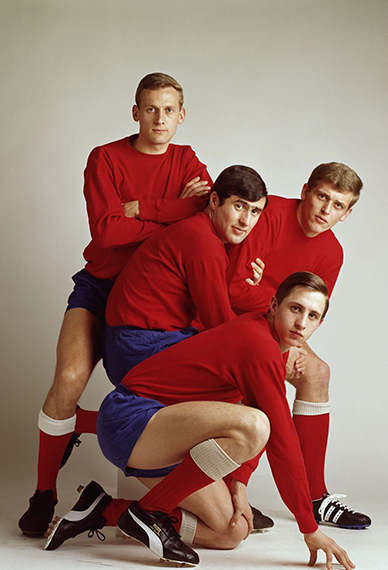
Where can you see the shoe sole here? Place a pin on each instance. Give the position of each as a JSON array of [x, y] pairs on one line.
[[33, 534], [261, 530], [162, 559], [353, 527], [80, 490], [52, 534]]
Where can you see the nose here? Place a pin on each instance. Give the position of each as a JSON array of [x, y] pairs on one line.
[[245, 218], [159, 117], [300, 322], [327, 206]]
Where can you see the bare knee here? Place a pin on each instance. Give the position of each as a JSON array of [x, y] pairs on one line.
[[254, 431], [224, 537], [231, 536], [313, 385], [64, 394]]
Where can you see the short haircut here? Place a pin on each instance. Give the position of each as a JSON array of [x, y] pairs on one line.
[[158, 81], [338, 175], [241, 181], [303, 279]]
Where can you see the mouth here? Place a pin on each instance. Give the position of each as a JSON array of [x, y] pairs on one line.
[[296, 334], [320, 220], [238, 231]]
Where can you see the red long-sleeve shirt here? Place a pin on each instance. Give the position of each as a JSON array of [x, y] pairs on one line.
[[118, 173], [239, 360], [177, 273], [280, 242]]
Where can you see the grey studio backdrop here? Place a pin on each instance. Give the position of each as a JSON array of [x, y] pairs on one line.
[[279, 85]]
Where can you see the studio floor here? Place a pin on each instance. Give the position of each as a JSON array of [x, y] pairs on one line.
[[282, 547]]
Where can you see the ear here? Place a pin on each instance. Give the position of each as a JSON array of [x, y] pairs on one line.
[[214, 201], [305, 190], [182, 115], [135, 113], [273, 305], [346, 215]]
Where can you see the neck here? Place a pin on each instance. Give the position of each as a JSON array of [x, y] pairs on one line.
[[210, 214], [142, 146]]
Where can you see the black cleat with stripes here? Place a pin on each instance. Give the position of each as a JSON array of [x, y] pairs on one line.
[[155, 530]]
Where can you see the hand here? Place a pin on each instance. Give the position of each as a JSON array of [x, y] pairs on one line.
[[296, 363], [196, 187], [131, 209], [258, 269], [318, 541], [241, 505]]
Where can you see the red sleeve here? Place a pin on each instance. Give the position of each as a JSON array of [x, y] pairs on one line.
[[283, 449], [108, 225], [244, 297], [244, 472], [207, 285], [169, 211]]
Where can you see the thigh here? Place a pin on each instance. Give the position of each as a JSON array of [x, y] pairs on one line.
[[174, 430]]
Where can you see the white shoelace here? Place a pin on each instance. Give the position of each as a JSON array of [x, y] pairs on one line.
[[332, 500]]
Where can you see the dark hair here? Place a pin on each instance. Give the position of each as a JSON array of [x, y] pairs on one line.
[[303, 279], [158, 81], [240, 181], [338, 175]]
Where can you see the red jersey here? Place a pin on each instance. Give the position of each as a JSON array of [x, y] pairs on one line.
[[118, 173], [280, 242], [175, 275], [239, 360]]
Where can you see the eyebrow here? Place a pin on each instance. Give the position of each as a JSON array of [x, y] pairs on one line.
[[246, 203]]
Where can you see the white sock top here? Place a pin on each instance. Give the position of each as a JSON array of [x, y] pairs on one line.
[[56, 427]]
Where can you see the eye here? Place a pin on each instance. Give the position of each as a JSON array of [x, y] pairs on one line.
[[170, 110], [238, 206], [322, 196], [295, 308], [313, 316], [151, 109], [338, 206]]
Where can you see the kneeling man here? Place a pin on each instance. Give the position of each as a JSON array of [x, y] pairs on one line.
[[176, 414]]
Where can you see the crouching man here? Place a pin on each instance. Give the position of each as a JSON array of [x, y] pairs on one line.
[[173, 423]]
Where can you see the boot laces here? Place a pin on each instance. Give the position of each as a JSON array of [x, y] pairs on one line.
[[331, 500], [94, 531]]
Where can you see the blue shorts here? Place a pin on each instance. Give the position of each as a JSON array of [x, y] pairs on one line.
[[124, 347], [90, 293], [122, 419]]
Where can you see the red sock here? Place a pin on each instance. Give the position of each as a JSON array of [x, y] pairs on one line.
[[184, 480], [86, 421], [51, 449], [252, 465], [113, 511], [313, 432]]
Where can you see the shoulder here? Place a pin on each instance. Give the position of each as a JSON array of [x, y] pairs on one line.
[[253, 332], [110, 149], [277, 205]]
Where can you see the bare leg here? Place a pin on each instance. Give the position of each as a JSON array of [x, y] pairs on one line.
[[78, 351], [172, 432]]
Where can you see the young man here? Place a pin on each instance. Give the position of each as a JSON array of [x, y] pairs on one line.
[[295, 235], [179, 274], [179, 406], [133, 187]]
